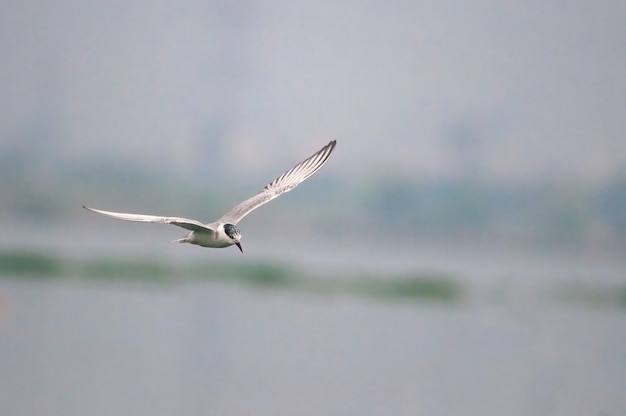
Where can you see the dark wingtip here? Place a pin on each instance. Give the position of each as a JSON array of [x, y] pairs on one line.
[[331, 146]]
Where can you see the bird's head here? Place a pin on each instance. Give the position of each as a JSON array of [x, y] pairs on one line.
[[234, 234]]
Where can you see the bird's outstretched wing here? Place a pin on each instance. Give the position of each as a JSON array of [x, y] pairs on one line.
[[191, 225], [284, 183]]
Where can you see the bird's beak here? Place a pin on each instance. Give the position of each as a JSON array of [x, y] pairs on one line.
[[239, 246]]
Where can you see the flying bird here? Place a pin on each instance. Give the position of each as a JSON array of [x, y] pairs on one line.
[[224, 231]]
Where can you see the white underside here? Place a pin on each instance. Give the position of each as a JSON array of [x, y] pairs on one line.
[[207, 239]]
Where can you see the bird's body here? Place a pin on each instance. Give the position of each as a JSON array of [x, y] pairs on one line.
[[224, 231], [213, 236]]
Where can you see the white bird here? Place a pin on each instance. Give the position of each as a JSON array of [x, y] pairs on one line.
[[224, 231]]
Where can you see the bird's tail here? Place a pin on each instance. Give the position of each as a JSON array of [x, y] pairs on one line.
[[185, 239]]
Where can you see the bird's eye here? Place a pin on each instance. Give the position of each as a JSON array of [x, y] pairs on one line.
[[231, 230]]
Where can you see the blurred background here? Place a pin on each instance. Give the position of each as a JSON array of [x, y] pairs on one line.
[[461, 253]]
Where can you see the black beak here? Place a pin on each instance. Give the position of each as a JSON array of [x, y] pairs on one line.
[[239, 246]]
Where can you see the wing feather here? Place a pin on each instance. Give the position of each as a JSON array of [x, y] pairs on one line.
[[284, 183], [185, 223]]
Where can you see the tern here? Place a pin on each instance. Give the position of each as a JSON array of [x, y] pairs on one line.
[[224, 231]]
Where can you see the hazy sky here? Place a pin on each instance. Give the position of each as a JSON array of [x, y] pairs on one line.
[[510, 90]]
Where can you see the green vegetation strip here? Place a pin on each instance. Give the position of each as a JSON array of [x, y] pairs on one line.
[[30, 263], [257, 275], [278, 277]]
